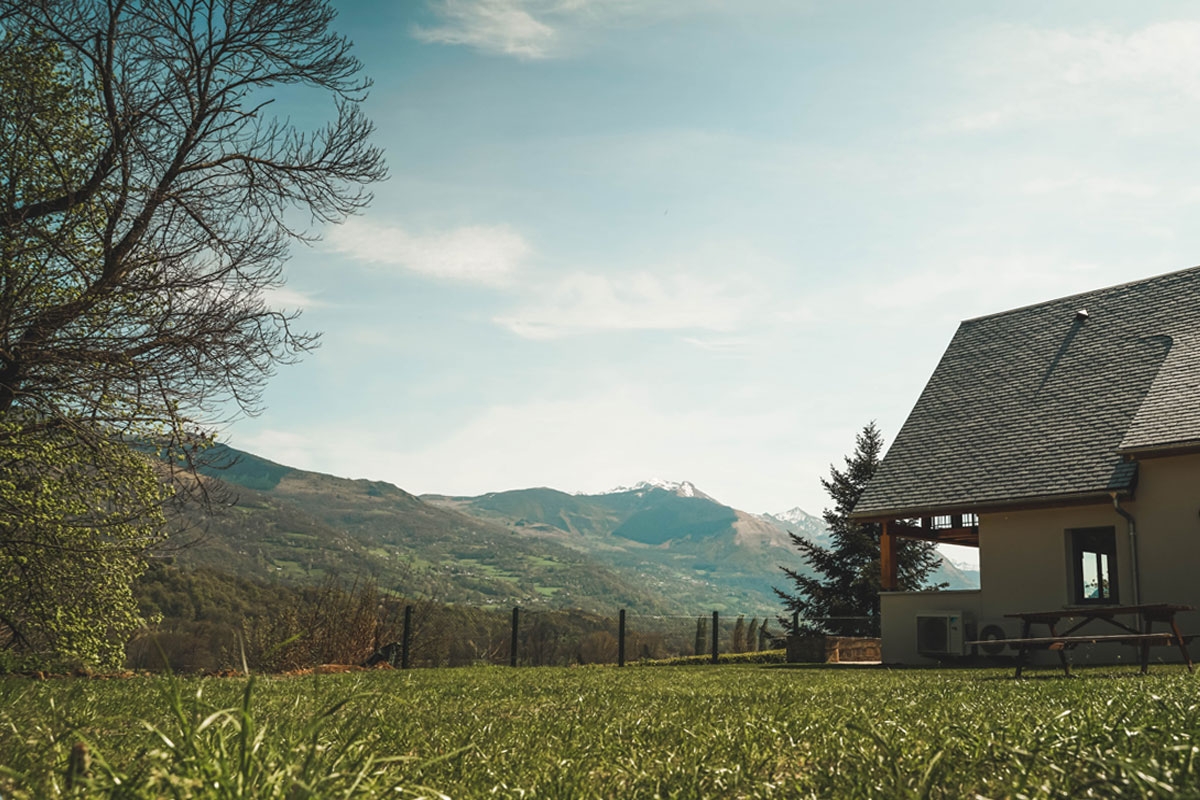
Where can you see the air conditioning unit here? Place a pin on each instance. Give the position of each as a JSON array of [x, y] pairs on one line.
[[940, 633], [990, 630]]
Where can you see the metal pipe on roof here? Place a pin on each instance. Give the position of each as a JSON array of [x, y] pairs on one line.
[[1133, 551]]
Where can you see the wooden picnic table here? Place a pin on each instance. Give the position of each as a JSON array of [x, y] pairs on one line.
[[1087, 616]]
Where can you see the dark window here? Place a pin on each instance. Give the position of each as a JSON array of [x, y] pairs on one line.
[[1094, 565]]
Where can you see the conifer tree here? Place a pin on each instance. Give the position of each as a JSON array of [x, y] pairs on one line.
[[701, 635], [752, 636], [841, 597]]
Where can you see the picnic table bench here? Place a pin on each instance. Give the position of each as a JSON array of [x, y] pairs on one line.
[[1072, 637]]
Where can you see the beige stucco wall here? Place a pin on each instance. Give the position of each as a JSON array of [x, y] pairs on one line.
[[1167, 511], [1024, 559], [1024, 564], [898, 620]]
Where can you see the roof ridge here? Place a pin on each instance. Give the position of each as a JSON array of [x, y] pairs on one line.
[[1083, 293]]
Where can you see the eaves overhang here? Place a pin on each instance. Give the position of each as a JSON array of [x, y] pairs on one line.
[[1103, 497], [1162, 449]]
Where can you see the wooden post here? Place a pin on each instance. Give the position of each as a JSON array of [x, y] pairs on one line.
[[406, 641], [512, 650], [889, 576], [716, 640], [621, 639]]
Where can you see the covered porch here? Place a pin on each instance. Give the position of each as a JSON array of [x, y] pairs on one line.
[[917, 626], [958, 529]]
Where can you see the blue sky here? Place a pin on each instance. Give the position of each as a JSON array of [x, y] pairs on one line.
[[708, 241]]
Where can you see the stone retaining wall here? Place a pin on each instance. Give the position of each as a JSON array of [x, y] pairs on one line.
[[831, 649]]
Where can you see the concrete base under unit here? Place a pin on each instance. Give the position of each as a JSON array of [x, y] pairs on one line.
[[831, 649]]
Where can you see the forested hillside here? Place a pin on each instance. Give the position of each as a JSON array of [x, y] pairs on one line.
[[266, 559]]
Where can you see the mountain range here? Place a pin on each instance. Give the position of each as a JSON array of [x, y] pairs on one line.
[[655, 547]]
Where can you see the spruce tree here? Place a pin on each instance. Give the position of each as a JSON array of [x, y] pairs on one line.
[[841, 597]]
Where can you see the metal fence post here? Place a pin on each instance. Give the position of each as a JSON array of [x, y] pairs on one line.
[[512, 651], [621, 639], [406, 642]]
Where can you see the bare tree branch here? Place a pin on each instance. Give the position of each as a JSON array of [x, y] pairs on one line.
[[148, 198]]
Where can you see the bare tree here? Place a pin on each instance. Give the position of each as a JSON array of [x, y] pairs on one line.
[[169, 215], [148, 197]]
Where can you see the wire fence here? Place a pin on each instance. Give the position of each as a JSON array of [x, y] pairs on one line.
[[339, 626], [534, 637]]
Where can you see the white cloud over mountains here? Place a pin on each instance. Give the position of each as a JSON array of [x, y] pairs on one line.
[[484, 254], [551, 304]]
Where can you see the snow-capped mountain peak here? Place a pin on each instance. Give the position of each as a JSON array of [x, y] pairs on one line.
[[680, 488], [793, 516]]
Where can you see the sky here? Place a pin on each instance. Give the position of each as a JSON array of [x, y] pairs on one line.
[[709, 241]]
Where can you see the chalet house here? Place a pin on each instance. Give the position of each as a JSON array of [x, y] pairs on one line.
[[1063, 440]]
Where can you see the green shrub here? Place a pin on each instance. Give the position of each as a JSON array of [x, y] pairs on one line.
[[758, 657]]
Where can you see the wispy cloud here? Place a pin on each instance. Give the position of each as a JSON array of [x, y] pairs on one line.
[[583, 302], [475, 254], [539, 29], [284, 297], [1144, 79], [503, 27]]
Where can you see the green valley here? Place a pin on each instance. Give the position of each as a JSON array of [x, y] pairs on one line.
[[649, 549]]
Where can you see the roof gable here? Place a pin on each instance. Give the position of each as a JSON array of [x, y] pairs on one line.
[[1039, 402]]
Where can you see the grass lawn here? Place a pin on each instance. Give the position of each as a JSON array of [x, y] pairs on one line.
[[728, 731]]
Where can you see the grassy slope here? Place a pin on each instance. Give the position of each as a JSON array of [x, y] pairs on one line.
[[735, 731]]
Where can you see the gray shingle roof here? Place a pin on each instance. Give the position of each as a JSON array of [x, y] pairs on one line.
[[1170, 414], [1038, 404]]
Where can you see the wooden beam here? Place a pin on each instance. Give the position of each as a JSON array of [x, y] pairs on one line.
[[966, 535], [889, 575]]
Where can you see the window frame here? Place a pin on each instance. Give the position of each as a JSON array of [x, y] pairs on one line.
[[1087, 542]]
